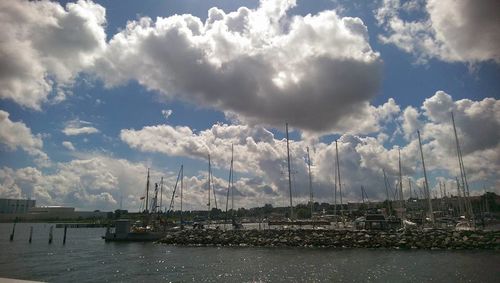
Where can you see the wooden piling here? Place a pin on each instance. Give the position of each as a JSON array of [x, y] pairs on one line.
[[50, 234], [13, 231], [31, 234], [64, 238]]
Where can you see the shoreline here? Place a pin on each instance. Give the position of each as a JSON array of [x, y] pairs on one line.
[[430, 240]]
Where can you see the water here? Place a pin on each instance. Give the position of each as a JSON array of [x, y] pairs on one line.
[[87, 258]]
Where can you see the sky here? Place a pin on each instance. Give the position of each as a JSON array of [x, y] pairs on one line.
[[93, 93]]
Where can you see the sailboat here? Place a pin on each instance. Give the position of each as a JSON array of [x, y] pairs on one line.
[[469, 222], [291, 221], [148, 228], [230, 190]]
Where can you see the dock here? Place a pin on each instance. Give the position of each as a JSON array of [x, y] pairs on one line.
[[81, 225], [299, 222]]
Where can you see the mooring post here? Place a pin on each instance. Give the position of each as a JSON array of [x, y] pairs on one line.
[[31, 234], [64, 238], [13, 231], [50, 234]]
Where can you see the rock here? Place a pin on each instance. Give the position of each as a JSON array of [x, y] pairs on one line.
[[432, 239]]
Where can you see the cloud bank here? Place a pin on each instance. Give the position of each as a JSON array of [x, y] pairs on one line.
[[99, 181], [260, 154], [451, 31]]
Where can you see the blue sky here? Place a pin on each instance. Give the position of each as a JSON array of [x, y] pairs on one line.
[[84, 115]]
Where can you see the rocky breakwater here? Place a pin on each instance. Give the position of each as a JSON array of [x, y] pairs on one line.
[[430, 239]]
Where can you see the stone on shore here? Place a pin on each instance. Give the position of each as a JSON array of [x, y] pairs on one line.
[[428, 239]]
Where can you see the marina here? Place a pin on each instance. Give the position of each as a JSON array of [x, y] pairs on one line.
[[250, 141], [86, 253]]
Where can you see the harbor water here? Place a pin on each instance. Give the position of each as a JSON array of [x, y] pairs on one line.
[[87, 258]]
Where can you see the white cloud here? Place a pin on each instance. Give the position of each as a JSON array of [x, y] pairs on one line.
[[411, 122], [94, 182], [98, 182], [44, 46], [8, 186], [68, 145], [250, 143], [16, 135], [247, 63], [78, 127], [166, 113], [259, 154], [452, 31]]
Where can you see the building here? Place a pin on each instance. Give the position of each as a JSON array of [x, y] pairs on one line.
[[54, 211], [15, 206]]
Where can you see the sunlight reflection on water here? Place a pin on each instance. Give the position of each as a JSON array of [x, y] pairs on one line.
[[87, 258]]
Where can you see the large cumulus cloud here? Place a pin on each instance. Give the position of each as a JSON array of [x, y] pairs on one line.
[[43, 47], [317, 72]]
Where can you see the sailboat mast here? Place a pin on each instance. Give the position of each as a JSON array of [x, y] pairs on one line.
[[161, 194], [425, 179], [362, 194], [147, 193], [182, 192], [211, 180], [229, 185], [338, 174], [465, 184], [335, 192], [289, 171], [154, 204], [409, 186], [387, 193], [232, 180], [209, 192], [401, 197], [171, 207], [310, 183], [459, 197]]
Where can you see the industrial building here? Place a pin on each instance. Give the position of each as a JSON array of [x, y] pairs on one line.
[[15, 206]]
